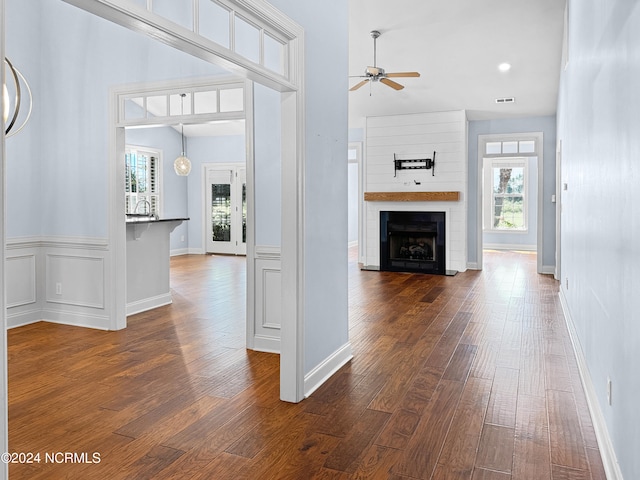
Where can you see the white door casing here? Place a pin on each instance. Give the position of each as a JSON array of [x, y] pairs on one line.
[[291, 85]]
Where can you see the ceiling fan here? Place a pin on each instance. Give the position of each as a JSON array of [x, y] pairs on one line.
[[377, 74]]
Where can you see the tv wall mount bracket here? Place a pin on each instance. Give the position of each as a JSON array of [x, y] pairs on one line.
[[415, 164]]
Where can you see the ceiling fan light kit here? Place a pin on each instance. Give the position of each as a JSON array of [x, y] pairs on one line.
[[378, 74]]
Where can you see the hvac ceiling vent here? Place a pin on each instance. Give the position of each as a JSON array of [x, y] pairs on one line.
[[506, 100]]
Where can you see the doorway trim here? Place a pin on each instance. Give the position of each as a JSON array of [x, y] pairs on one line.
[[293, 112], [483, 139], [4, 384]]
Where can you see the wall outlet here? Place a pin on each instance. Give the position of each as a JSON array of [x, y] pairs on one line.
[[182, 238], [58, 288], [566, 283], [609, 391]]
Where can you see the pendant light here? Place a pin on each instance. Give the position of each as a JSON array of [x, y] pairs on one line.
[[18, 80], [182, 165]]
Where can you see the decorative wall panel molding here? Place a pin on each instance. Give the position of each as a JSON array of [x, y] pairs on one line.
[[57, 279], [74, 280], [21, 280], [267, 302]]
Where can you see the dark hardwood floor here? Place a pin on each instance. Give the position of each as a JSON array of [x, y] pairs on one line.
[[468, 377]]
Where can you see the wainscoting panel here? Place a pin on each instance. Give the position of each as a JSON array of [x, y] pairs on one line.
[[21, 280], [75, 280], [57, 279], [268, 309]]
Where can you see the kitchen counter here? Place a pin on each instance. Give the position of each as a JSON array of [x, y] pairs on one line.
[[148, 255]]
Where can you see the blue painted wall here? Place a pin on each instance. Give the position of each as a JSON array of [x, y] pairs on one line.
[[72, 58], [598, 125], [326, 41], [546, 125]]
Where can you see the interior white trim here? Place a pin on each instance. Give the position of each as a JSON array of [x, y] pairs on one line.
[[538, 137], [81, 243], [148, 303], [24, 317], [293, 113], [509, 246], [607, 452], [316, 377], [548, 270], [4, 386], [357, 146], [76, 319]]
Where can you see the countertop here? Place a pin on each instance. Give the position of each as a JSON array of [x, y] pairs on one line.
[[148, 219]]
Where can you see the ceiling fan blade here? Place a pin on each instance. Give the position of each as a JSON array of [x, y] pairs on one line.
[[403, 74], [392, 84], [358, 85]]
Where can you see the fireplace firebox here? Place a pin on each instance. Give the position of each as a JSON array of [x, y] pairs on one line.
[[413, 242]]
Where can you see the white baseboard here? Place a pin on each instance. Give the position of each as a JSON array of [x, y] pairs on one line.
[[549, 269], [75, 319], [608, 454], [473, 266], [148, 303], [195, 251], [266, 344], [20, 319], [353, 244], [179, 251], [316, 377]]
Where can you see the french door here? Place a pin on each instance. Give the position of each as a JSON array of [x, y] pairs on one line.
[[226, 209]]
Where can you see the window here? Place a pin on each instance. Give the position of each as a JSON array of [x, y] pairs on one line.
[[505, 182], [142, 180]]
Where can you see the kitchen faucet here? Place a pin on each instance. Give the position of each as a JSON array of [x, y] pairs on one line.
[[135, 210]]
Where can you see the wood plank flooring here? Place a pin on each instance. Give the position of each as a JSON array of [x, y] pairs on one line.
[[469, 377]]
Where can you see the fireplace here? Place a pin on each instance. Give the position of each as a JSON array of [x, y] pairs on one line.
[[413, 242]]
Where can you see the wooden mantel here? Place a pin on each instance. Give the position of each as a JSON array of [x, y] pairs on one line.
[[411, 196]]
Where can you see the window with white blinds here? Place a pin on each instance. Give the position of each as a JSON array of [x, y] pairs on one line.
[[142, 180]]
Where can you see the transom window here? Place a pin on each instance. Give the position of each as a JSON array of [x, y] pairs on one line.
[[224, 101], [222, 22]]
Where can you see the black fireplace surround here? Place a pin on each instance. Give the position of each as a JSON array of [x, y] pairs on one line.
[[413, 242]]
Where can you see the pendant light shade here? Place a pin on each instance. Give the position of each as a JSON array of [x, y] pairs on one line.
[[182, 165], [13, 124]]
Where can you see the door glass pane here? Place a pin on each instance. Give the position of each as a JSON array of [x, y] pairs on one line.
[[221, 212], [244, 213]]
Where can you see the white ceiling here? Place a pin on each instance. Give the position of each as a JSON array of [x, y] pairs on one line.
[[457, 45]]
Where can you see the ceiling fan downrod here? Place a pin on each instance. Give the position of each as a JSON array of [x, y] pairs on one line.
[[374, 34]]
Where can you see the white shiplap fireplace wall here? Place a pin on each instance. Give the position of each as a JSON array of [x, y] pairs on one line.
[[418, 136]]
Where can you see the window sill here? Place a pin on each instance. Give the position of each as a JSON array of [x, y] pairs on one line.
[[501, 231]]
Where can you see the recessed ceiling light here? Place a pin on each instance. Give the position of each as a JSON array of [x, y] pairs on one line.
[[504, 67]]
